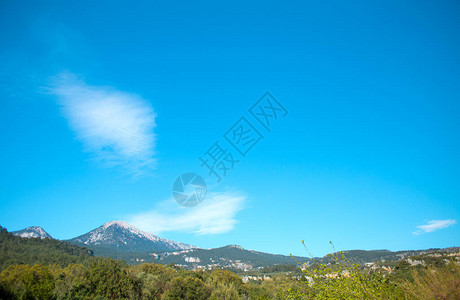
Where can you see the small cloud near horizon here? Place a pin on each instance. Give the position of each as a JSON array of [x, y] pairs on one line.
[[215, 215], [434, 225], [115, 127]]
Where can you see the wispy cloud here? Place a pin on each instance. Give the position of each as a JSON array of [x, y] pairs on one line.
[[116, 127], [434, 225], [216, 214]]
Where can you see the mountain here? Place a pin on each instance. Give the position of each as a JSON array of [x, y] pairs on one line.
[[32, 232], [120, 240], [232, 256], [239, 259], [15, 250], [120, 237], [368, 256]]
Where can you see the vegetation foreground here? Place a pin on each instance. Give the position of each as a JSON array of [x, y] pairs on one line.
[[68, 272]]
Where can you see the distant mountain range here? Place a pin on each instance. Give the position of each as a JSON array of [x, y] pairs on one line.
[[120, 240], [231, 256]]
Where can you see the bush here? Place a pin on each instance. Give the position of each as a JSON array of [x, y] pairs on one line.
[[433, 282], [105, 277], [27, 282], [188, 287], [341, 279]]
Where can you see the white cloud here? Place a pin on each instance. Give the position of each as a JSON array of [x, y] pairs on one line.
[[116, 127], [434, 225], [216, 214]]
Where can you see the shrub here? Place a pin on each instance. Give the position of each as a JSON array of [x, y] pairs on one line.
[[188, 287], [433, 282], [341, 279], [27, 282]]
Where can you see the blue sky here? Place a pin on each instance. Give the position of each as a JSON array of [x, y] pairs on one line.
[[104, 105]]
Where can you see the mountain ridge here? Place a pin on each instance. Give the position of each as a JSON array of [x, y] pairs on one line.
[[122, 236], [121, 240], [32, 232]]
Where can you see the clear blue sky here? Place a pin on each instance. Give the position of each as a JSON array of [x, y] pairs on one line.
[[367, 153]]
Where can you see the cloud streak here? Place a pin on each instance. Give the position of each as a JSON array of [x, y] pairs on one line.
[[116, 127], [213, 216], [434, 225]]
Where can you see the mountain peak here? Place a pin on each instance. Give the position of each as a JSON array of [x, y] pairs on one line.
[[123, 224], [32, 232], [132, 229], [236, 246], [122, 235]]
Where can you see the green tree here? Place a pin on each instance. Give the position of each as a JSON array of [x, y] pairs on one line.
[[27, 282], [71, 282], [106, 277], [221, 291], [188, 287]]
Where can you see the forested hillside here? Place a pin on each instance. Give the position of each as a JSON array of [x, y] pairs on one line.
[[15, 250]]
